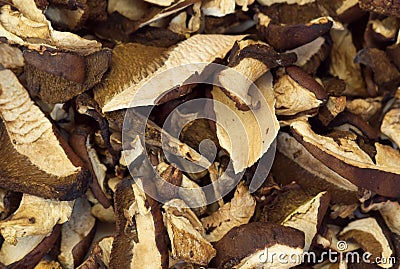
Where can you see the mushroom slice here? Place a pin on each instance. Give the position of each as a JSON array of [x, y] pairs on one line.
[[369, 235], [35, 216], [294, 163], [186, 234], [391, 125], [218, 8], [197, 49], [185, 23], [308, 217], [386, 74], [286, 37], [246, 135], [342, 65], [11, 58], [44, 264], [391, 8], [140, 231], [334, 106], [332, 233], [100, 255], [29, 250], [252, 245], [28, 140], [297, 92], [365, 108], [71, 17], [390, 211], [77, 234], [289, 2], [248, 61], [347, 159], [232, 214]]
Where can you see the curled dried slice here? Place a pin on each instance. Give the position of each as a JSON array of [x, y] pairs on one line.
[[77, 234], [370, 236], [365, 108], [35, 216], [186, 234], [334, 106], [28, 140], [246, 135], [286, 37], [347, 159], [29, 250], [100, 254], [390, 211], [140, 230], [391, 125], [232, 214], [294, 163], [308, 217], [197, 49], [251, 245]]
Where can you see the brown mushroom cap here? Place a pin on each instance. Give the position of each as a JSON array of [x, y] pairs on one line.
[[241, 243]]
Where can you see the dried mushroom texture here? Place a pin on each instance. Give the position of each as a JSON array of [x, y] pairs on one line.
[[248, 61], [69, 16], [332, 232], [285, 37], [391, 8], [385, 29], [11, 58], [34, 216], [77, 234], [390, 211], [232, 214], [185, 23], [386, 74], [342, 64], [308, 217], [333, 107], [261, 130], [29, 250], [370, 236], [100, 254], [186, 234], [345, 157], [391, 125], [29, 141], [140, 230], [218, 8], [197, 49], [296, 92], [294, 163], [290, 2], [366, 108], [248, 245], [44, 264]]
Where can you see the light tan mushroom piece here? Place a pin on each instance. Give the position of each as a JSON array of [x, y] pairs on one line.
[[308, 217], [11, 58], [297, 2], [342, 65], [29, 140], [391, 125], [332, 234], [232, 214], [346, 158], [197, 49], [44, 264], [76, 234], [246, 135], [133, 10], [369, 235], [186, 233], [183, 24], [366, 108], [35, 216]]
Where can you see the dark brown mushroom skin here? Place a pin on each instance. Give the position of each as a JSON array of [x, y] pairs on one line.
[[246, 239], [307, 81], [386, 7]]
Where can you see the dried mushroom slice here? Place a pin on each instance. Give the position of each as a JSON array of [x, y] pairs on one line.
[[66, 15], [308, 217], [29, 250], [140, 230], [296, 92], [218, 8], [390, 211], [11, 58], [342, 64], [197, 49], [290, 2], [28, 140], [44, 264], [285, 37], [391, 8], [232, 214], [346, 158], [250, 246], [248, 61], [260, 124], [100, 254], [34, 216], [369, 235], [334, 106], [391, 125], [294, 163], [186, 234], [77, 234], [187, 22], [365, 108]]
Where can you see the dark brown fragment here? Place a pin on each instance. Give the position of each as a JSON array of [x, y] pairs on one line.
[[386, 7], [307, 81]]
